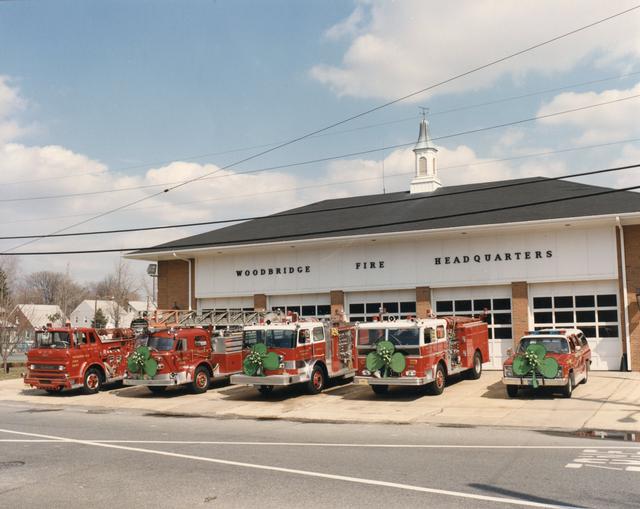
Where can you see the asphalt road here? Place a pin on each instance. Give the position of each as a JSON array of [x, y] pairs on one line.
[[75, 457]]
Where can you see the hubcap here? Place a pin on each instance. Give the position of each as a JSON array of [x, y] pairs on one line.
[[440, 378], [317, 380], [201, 380], [478, 365], [92, 381]]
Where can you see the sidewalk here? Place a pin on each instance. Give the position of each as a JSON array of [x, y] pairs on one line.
[[609, 401]]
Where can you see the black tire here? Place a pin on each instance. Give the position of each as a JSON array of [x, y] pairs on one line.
[[157, 389], [567, 390], [586, 374], [317, 381], [57, 390], [476, 370], [512, 391], [380, 389], [265, 390], [92, 381], [437, 386], [201, 380]]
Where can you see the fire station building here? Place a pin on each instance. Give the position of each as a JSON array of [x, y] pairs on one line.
[[530, 253]]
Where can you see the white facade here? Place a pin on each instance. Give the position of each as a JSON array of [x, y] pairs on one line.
[[82, 315], [570, 270]]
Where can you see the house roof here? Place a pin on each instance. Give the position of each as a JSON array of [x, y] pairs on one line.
[[38, 314], [490, 203]]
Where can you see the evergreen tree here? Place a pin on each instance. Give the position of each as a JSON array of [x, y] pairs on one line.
[[99, 320]]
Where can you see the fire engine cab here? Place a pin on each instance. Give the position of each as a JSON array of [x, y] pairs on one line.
[[290, 351], [183, 356], [71, 358], [420, 352]]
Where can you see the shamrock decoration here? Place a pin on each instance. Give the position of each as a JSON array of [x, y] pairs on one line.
[[533, 360], [385, 359], [258, 360], [141, 361]]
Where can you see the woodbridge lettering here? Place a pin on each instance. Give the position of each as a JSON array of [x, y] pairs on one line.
[[274, 271], [494, 257]]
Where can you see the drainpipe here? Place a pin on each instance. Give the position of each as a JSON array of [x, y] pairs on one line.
[[189, 262], [624, 293]]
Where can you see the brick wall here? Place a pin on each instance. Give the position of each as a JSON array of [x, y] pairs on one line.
[[519, 309], [632, 266], [423, 302], [173, 284], [337, 304], [260, 302]]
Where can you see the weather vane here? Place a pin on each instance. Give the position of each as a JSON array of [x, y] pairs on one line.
[[425, 112]]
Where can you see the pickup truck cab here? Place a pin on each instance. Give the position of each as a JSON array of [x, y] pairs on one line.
[[567, 347]]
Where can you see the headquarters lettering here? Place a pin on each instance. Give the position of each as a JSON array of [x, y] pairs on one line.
[[274, 271], [494, 257]]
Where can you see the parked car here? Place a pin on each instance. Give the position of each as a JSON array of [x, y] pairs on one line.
[[558, 358]]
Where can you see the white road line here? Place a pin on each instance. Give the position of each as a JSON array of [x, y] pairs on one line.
[[307, 473], [320, 444], [573, 465], [600, 466]]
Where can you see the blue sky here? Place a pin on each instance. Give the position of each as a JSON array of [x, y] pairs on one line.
[[129, 91]]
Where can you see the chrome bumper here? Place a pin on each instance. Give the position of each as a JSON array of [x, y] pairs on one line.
[[405, 380], [268, 380], [159, 380], [542, 382]]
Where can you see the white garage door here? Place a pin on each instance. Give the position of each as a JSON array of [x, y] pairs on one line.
[[366, 306], [312, 305], [495, 301], [590, 306], [226, 304]]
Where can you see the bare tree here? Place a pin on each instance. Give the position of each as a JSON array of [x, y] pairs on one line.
[[10, 328], [47, 287], [120, 286]]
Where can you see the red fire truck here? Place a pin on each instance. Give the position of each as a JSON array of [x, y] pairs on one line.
[[290, 351], [70, 358], [419, 352], [183, 356]]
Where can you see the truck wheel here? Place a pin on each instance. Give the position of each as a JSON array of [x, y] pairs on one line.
[[201, 380], [476, 369], [512, 391], [265, 390], [567, 390], [316, 384], [92, 381], [380, 389], [437, 386], [157, 389]]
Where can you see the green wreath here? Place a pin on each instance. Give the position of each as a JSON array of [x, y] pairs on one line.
[[141, 362], [260, 360], [533, 361], [385, 359]]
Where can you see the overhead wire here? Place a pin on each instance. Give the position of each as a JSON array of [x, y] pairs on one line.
[[432, 113], [348, 119], [298, 236], [322, 159], [280, 215]]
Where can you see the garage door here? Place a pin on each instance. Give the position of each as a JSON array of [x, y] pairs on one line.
[[310, 305], [495, 301], [366, 306], [592, 307]]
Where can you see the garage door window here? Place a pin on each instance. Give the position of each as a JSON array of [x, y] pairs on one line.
[[308, 311], [498, 313], [369, 311], [595, 315]]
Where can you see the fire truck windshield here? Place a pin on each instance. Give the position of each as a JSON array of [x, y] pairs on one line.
[[400, 337], [160, 343], [272, 338], [46, 339], [553, 345]]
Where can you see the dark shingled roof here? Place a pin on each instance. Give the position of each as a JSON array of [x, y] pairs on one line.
[[468, 205]]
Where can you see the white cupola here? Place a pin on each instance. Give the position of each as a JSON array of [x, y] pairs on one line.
[[426, 178]]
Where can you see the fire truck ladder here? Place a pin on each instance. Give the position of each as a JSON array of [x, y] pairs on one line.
[[217, 319]]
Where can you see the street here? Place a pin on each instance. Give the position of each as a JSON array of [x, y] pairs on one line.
[[78, 457]]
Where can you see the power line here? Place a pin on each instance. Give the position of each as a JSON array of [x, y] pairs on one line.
[[338, 230], [432, 113], [348, 119], [350, 181], [322, 159], [331, 209]]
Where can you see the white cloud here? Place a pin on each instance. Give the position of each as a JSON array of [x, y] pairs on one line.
[[408, 45], [11, 102], [601, 124]]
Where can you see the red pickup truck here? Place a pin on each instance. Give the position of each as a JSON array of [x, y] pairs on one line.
[[71, 358]]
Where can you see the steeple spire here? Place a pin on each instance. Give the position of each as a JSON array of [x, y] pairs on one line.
[[426, 175]]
